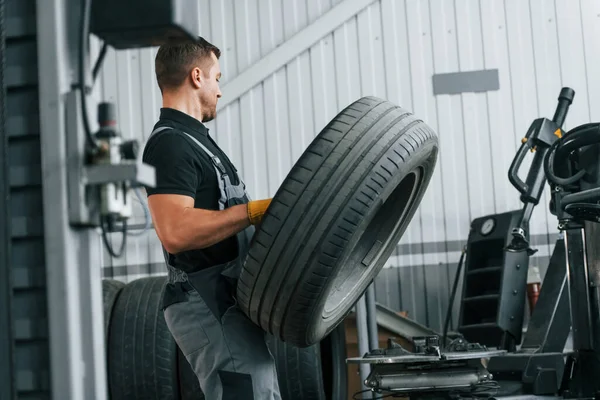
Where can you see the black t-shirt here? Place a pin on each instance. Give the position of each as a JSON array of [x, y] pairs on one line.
[[182, 167]]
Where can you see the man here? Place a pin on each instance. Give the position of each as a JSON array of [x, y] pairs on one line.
[[204, 221]]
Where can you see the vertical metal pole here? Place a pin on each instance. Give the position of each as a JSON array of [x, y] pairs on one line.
[[371, 309], [592, 235], [586, 366], [363, 338], [595, 307], [7, 368], [579, 289], [74, 287], [372, 317]]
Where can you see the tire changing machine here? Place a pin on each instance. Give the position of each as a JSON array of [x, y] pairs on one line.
[[536, 366]]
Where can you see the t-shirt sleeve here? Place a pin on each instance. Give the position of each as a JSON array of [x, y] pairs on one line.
[[174, 164]]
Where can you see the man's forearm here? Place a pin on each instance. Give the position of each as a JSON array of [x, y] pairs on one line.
[[199, 228]]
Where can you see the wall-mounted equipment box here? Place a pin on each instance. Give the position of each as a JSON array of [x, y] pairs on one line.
[[144, 23]]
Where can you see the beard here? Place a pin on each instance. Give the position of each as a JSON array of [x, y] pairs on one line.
[[209, 109], [209, 114]]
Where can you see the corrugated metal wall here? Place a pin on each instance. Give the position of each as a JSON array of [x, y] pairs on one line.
[[27, 266], [390, 49]]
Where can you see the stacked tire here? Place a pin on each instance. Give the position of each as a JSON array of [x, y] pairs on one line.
[[144, 361], [142, 357]]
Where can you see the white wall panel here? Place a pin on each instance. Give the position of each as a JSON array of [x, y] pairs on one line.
[[390, 49], [502, 131], [451, 163], [590, 16]]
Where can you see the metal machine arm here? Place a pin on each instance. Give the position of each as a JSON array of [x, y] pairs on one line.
[[542, 134]]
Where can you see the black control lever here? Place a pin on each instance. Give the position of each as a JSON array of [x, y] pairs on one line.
[[532, 139], [540, 136]]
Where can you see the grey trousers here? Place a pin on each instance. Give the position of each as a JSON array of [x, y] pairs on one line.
[[227, 351]]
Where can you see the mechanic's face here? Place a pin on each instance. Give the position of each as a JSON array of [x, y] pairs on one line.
[[209, 92]]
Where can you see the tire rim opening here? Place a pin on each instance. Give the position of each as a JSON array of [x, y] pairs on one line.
[[381, 232]]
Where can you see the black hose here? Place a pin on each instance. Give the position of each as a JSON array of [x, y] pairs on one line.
[[83, 39], [549, 169], [574, 134], [578, 137], [577, 140], [99, 62], [452, 295], [105, 230]]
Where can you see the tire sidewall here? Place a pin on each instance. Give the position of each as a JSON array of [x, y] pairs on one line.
[[424, 157]]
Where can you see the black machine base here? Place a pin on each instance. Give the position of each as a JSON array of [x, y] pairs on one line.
[[538, 374], [430, 371], [582, 375]]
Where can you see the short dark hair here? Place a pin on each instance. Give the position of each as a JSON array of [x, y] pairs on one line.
[[175, 60]]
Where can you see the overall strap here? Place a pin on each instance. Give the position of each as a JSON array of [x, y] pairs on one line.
[[216, 162], [157, 130], [223, 178]]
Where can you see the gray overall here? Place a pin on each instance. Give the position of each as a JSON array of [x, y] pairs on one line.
[[226, 350]]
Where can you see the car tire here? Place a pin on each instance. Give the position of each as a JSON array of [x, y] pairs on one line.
[[317, 372], [336, 219], [110, 291], [142, 354]]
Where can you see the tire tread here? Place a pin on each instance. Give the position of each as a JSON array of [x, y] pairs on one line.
[[366, 145], [142, 352]]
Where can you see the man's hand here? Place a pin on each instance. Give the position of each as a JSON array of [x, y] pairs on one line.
[[256, 210]]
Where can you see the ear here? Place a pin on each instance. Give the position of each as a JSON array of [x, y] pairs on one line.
[[197, 78]]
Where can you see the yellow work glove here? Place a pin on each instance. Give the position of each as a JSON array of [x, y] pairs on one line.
[[256, 210]]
